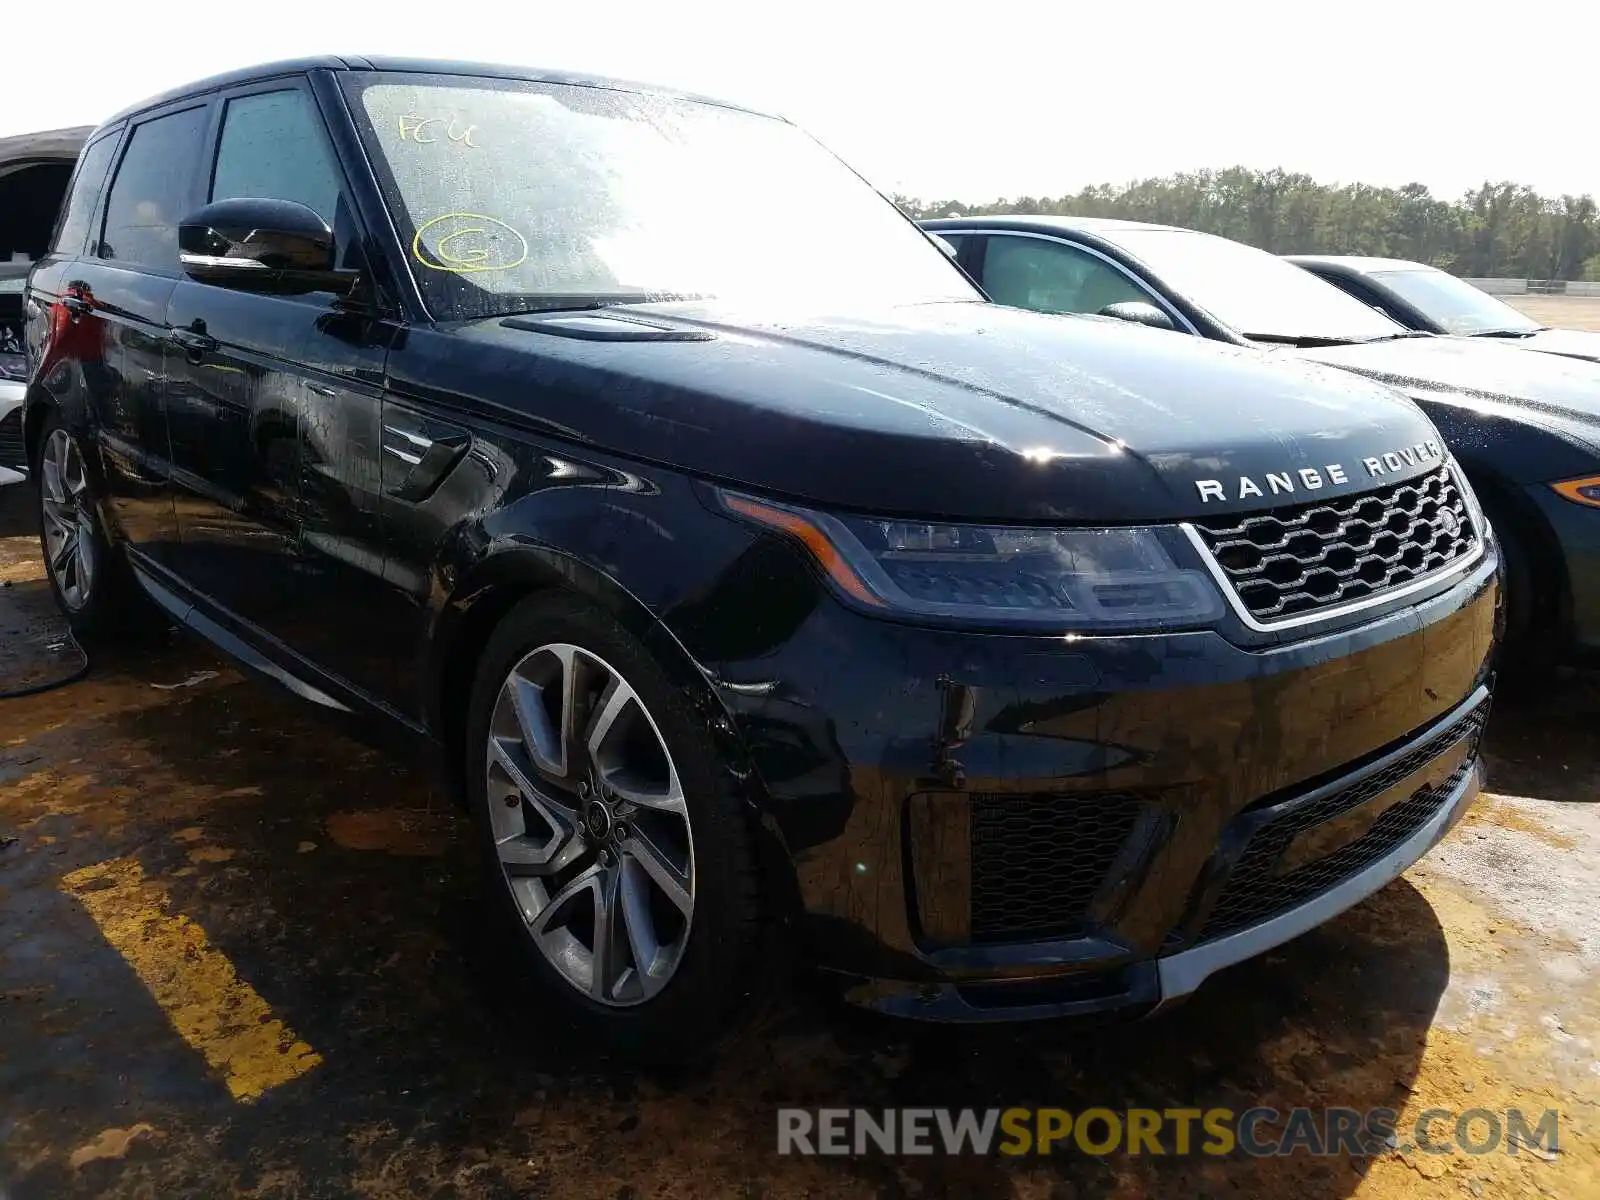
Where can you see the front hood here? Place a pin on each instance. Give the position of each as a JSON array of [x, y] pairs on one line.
[[971, 411], [1574, 343], [1477, 370]]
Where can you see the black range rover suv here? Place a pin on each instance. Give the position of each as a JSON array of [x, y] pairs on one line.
[[1018, 664]]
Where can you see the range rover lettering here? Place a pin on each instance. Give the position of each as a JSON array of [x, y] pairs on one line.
[[741, 588]]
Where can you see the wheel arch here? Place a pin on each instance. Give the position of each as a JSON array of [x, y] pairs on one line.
[[36, 406], [489, 586], [1507, 503]]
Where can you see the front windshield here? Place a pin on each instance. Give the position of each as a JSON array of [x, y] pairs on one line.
[[1454, 303], [513, 196], [1255, 293]]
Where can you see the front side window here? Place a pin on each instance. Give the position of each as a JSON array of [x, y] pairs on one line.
[[274, 146], [151, 190], [1049, 276], [84, 198], [1454, 303], [514, 195]]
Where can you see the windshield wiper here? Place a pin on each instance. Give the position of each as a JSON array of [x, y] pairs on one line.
[[1304, 341], [1395, 337], [1311, 341], [1511, 333]]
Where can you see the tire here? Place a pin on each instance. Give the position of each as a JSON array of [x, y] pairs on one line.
[[92, 581], [564, 825], [1526, 653]]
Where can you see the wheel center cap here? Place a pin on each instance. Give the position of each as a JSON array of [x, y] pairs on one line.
[[597, 818]]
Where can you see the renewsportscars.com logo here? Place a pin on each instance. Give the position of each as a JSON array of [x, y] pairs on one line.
[[1253, 1132]]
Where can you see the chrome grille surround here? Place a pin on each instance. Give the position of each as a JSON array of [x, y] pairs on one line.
[[1309, 562]]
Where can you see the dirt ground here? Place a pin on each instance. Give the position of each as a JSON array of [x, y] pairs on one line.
[[243, 955], [1561, 312]]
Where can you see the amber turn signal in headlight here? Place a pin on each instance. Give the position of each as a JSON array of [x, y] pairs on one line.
[[1058, 579], [816, 541], [1580, 491]]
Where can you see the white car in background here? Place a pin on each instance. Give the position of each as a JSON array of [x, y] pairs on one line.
[[13, 373], [34, 171]]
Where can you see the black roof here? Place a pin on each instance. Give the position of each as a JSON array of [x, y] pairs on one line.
[[1359, 264], [329, 62], [1040, 224]]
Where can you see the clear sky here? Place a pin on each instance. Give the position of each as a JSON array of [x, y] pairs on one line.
[[967, 101]]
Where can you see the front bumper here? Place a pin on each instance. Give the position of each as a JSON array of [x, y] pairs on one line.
[[988, 827], [1180, 974], [13, 458]]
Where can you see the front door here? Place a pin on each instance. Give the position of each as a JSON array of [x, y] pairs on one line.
[[279, 469], [234, 404]]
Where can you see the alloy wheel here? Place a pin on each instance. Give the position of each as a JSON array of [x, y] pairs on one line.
[[69, 532], [590, 825]]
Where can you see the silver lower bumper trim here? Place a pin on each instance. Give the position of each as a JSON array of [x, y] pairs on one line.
[[1182, 973]]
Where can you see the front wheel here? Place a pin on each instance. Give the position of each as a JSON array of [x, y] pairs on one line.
[[618, 848]]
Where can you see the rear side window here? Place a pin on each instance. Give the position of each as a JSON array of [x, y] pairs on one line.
[[87, 185], [273, 146], [151, 190]]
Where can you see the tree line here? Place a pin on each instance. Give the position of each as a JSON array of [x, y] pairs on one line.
[[1502, 230]]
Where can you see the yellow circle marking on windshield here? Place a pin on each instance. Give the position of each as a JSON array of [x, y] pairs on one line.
[[468, 257]]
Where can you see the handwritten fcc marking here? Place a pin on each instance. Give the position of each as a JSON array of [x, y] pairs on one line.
[[470, 242], [423, 130]]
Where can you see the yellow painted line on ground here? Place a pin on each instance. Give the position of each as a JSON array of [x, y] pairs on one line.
[[212, 1009]]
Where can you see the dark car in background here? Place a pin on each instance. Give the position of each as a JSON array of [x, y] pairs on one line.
[[34, 169], [1525, 427], [733, 583], [1425, 298]]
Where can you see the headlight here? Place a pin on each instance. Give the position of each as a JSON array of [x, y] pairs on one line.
[[1580, 491], [1101, 579]]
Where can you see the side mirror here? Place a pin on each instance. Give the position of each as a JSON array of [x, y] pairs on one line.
[[1139, 312], [261, 245]]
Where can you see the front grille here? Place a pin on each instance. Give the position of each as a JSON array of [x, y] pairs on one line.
[[1255, 892], [11, 451], [1307, 557], [1039, 858]]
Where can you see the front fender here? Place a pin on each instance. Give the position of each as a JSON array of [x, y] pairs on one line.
[[593, 533]]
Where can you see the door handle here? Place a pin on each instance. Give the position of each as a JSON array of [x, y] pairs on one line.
[[76, 305]]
